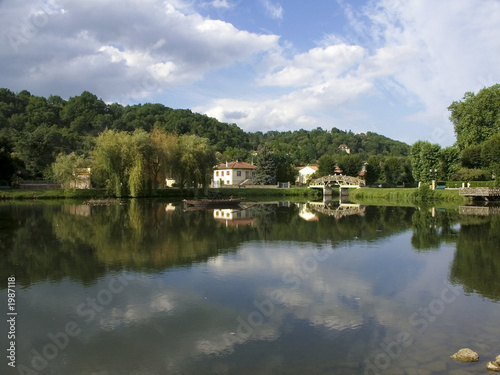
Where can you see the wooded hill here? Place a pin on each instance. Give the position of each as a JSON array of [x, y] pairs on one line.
[[34, 130]]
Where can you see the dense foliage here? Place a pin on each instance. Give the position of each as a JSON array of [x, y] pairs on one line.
[[476, 153], [36, 131], [476, 117], [44, 137]]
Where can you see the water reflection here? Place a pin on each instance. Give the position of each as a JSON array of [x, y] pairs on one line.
[[476, 264], [157, 290]]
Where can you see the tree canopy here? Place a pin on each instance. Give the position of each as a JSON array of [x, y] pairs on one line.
[[476, 117]]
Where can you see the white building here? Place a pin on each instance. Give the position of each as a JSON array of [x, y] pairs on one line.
[[233, 173], [306, 172], [81, 179], [345, 148]]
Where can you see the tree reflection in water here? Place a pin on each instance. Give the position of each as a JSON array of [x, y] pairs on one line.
[[54, 241]]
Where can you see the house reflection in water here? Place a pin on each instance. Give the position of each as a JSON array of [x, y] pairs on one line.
[[234, 217], [305, 213], [79, 209]]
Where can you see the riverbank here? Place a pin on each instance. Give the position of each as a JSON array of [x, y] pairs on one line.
[[15, 194], [406, 195]]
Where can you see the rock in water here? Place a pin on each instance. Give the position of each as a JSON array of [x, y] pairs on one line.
[[493, 366], [497, 360], [466, 355]]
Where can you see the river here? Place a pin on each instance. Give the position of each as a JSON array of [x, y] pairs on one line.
[[146, 287]]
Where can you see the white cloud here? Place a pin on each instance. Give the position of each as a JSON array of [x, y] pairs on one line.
[[318, 65], [128, 49], [413, 58], [416, 57], [273, 10], [221, 4], [435, 51]]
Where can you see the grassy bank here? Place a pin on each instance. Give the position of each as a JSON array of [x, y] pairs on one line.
[[15, 194], [408, 195]]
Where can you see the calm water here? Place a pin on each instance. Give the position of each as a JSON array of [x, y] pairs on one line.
[[146, 288]]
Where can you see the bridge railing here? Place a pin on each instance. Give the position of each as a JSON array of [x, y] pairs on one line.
[[338, 179]]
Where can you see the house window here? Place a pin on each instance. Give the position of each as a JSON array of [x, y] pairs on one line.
[[217, 174], [228, 183], [228, 173], [238, 173]]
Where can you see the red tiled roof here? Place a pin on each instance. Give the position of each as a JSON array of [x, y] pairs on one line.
[[236, 165]]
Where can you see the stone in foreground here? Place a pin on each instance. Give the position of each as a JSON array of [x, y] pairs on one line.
[[497, 360], [493, 366], [466, 355]]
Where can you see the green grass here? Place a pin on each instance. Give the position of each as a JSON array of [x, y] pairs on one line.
[[406, 195]]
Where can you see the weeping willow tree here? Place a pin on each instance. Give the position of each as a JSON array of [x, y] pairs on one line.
[[196, 163], [135, 164], [113, 161], [122, 162]]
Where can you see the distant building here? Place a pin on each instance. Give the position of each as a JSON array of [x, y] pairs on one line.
[[306, 172], [344, 147], [81, 179], [169, 182], [234, 173]]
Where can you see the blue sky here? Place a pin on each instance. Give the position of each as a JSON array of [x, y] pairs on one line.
[[387, 66]]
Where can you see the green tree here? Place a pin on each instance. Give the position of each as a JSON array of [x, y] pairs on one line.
[[38, 148], [424, 158], [393, 170], [286, 172], [80, 112], [197, 159], [6, 161], [373, 170], [163, 155], [326, 165], [490, 153], [113, 161], [449, 162], [476, 117], [40, 112], [350, 164], [63, 168], [471, 157], [233, 153], [265, 174]]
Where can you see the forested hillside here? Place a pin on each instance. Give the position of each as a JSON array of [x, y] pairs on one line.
[[34, 130]]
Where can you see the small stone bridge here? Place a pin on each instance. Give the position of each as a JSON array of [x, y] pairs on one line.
[[483, 192], [343, 182]]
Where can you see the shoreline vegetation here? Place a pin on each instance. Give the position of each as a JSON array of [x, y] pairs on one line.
[[406, 195], [369, 196], [48, 194]]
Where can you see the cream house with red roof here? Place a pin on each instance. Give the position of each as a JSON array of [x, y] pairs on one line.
[[233, 173]]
